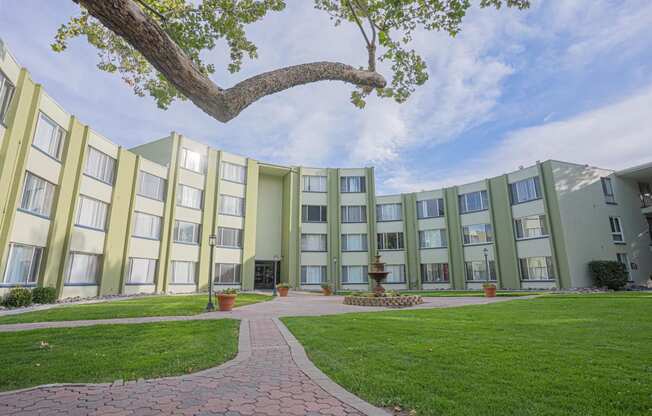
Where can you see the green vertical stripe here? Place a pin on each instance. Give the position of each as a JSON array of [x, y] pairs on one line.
[[504, 242], [371, 217], [168, 216], [455, 247], [209, 217], [410, 227], [251, 213], [334, 230]]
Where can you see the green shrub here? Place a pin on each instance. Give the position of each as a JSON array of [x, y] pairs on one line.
[[609, 274], [17, 297], [282, 286], [326, 285], [44, 295], [229, 291]]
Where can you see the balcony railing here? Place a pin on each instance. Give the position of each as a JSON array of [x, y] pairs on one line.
[[646, 200]]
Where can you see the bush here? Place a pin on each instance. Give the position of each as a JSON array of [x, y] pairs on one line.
[[609, 274], [44, 295], [17, 297], [282, 286], [229, 291], [326, 285]]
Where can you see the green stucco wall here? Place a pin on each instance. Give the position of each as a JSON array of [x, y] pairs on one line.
[[249, 243], [504, 243], [455, 248]]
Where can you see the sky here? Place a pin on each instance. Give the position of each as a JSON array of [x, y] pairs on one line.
[[567, 79]]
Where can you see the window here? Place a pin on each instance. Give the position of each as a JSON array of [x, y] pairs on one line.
[[354, 213], [186, 232], [92, 213], [434, 273], [314, 183], [141, 271], [390, 241], [624, 260], [477, 270], [23, 264], [349, 184], [477, 234], [231, 205], [389, 212], [313, 275], [616, 230], [83, 269], [151, 186], [313, 213], [536, 268], [100, 166], [38, 195], [354, 242], [432, 239], [227, 274], [354, 274], [6, 93], [396, 273], [608, 190], [189, 197], [147, 226], [184, 272], [473, 201], [49, 136], [531, 227], [191, 160], [229, 237], [526, 190], [313, 242], [233, 173], [430, 208]]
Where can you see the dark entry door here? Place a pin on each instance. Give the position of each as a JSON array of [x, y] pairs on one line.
[[264, 275]]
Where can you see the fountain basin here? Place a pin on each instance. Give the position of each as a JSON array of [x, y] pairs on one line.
[[401, 301]]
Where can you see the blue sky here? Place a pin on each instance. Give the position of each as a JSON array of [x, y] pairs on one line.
[[567, 79]]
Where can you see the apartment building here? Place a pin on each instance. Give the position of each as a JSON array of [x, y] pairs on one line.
[[89, 217]]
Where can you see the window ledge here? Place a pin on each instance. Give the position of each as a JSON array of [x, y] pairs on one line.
[[36, 214], [72, 284], [46, 154], [146, 238], [98, 179], [139, 284], [86, 227], [533, 238], [14, 284], [525, 202], [478, 244]]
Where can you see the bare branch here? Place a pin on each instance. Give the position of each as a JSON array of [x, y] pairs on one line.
[[357, 21]]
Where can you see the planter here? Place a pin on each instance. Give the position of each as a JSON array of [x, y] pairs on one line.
[[327, 291], [282, 291], [490, 292], [225, 301]]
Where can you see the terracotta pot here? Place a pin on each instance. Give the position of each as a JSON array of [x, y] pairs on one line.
[[327, 291], [490, 292], [282, 291], [225, 301]]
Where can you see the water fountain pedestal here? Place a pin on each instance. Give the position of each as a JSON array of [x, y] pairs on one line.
[[378, 274]]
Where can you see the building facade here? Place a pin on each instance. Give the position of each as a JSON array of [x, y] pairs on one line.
[[90, 218]]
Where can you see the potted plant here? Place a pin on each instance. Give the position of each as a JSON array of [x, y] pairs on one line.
[[226, 299], [326, 289], [489, 290], [282, 289]]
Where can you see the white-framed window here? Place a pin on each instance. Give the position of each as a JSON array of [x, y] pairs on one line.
[[189, 197], [49, 136], [623, 259], [191, 160], [141, 271], [23, 264], [227, 274], [533, 226], [391, 241], [352, 184], [313, 242], [231, 205], [617, 234], [433, 239], [314, 183], [354, 213], [83, 269], [229, 237], [434, 273], [473, 201], [184, 272], [525, 190], [186, 232], [92, 213], [313, 213], [151, 186], [147, 226], [38, 195], [6, 93], [536, 268], [234, 173], [477, 270], [430, 208], [354, 242], [354, 274], [396, 273], [477, 233], [389, 212], [313, 275], [608, 190], [100, 166]]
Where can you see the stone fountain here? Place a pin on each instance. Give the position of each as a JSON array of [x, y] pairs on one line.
[[378, 274]]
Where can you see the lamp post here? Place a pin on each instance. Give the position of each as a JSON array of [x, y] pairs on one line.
[[486, 262], [276, 258], [334, 273], [212, 239]]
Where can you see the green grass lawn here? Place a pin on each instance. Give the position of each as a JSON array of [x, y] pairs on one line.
[[552, 355], [145, 306], [107, 353]]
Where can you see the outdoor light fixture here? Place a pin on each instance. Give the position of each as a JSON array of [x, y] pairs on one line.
[[486, 261], [212, 240], [276, 259]]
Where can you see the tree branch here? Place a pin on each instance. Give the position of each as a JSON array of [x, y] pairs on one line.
[[126, 19]]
